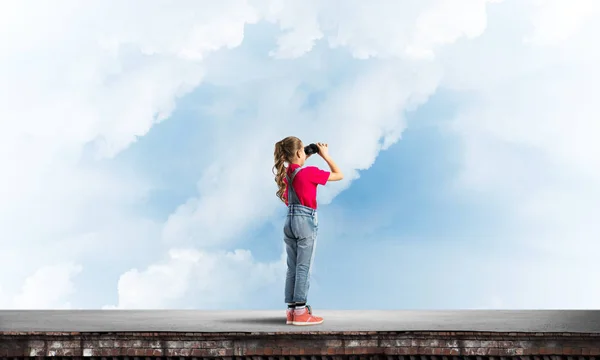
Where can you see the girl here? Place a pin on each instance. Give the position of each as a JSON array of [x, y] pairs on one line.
[[297, 188]]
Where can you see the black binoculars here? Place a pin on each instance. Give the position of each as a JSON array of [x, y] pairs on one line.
[[311, 149]]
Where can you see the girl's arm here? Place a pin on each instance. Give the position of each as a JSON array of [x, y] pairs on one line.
[[336, 174]]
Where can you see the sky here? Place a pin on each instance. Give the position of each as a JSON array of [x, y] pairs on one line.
[[136, 147]]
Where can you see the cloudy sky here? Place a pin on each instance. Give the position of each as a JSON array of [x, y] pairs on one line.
[[136, 143]]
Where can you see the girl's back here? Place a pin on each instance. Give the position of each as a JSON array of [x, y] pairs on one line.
[[305, 183]]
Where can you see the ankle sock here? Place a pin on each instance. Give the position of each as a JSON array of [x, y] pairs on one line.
[[300, 307], [291, 306]]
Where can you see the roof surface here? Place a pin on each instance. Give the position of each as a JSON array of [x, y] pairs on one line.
[[274, 321]]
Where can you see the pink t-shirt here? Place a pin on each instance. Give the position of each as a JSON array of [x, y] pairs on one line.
[[305, 184]]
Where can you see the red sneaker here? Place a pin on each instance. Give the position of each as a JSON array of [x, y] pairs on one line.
[[305, 317], [290, 316]]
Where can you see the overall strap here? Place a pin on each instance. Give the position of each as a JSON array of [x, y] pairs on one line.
[[296, 172], [292, 196]]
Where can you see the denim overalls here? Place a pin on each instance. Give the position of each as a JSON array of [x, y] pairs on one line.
[[300, 235]]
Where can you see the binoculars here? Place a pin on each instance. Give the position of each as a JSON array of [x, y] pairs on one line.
[[311, 149]]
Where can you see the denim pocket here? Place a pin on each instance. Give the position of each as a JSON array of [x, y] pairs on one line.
[[288, 230], [303, 226]]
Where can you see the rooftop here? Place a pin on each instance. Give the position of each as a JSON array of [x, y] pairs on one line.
[[572, 321]]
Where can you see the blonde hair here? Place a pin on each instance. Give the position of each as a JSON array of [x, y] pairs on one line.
[[284, 152]]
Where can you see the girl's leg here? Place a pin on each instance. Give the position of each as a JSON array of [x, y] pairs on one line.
[[306, 252], [290, 278], [306, 230]]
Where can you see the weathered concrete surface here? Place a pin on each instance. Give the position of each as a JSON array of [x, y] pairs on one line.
[[274, 321]]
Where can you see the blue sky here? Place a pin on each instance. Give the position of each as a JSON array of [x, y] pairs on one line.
[[141, 177]]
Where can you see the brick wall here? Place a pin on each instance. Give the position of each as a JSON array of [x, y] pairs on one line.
[[305, 345]]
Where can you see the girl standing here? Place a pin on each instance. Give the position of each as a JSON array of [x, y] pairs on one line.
[[297, 188]]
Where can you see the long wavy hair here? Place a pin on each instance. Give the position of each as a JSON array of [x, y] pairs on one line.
[[284, 152]]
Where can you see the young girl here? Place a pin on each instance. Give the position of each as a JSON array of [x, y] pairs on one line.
[[298, 190]]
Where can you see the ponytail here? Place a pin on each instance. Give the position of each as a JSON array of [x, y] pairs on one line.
[[284, 151]]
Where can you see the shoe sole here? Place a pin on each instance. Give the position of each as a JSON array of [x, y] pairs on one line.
[[307, 323], [289, 322]]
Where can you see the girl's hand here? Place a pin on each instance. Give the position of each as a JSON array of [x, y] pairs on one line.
[[323, 150], [336, 173]]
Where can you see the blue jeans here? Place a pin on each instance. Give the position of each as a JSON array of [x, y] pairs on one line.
[[300, 236]]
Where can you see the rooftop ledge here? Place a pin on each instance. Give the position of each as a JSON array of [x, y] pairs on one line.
[[263, 335]]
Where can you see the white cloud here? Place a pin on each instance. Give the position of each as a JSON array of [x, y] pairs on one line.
[[197, 279], [379, 28], [445, 22], [555, 21], [299, 23], [80, 84], [49, 287], [530, 143]]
